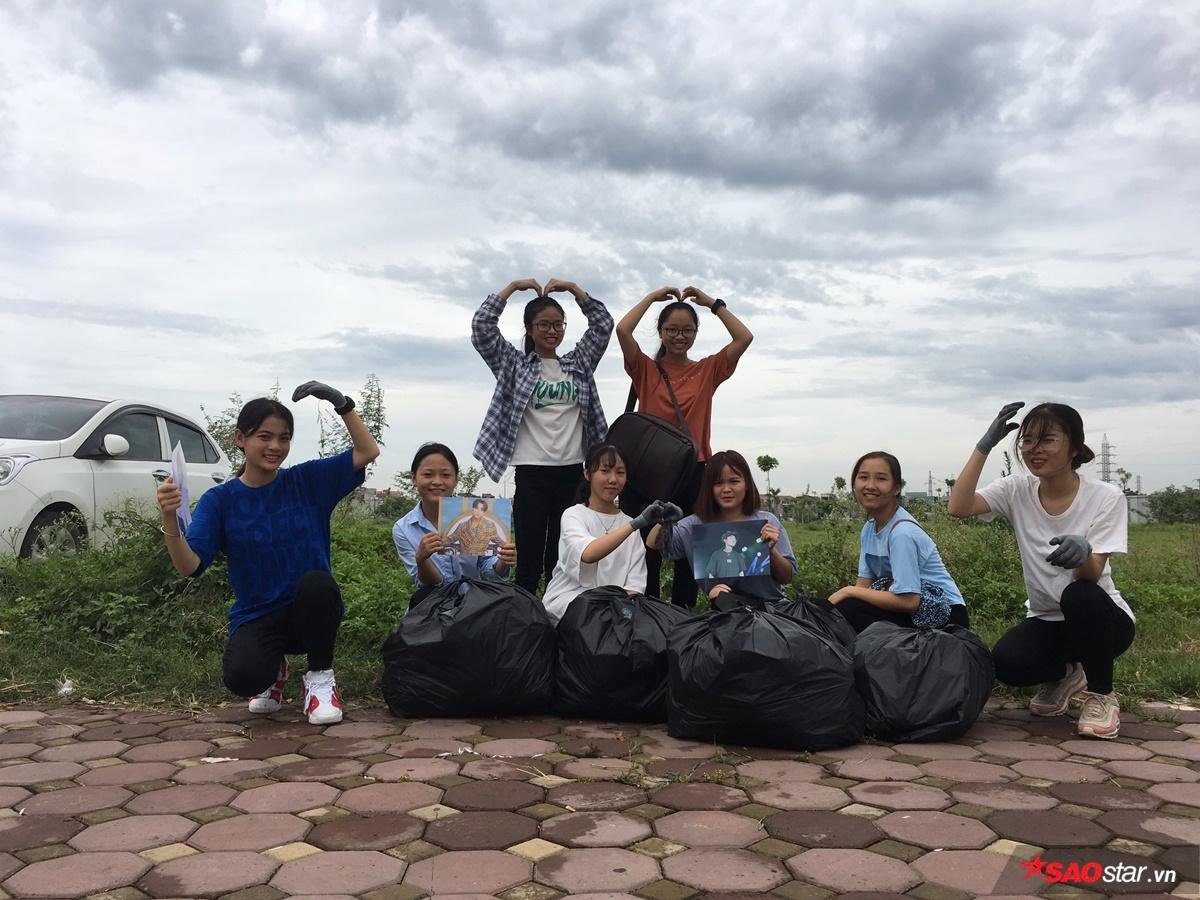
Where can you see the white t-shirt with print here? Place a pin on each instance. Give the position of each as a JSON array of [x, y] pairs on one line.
[[625, 567], [551, 430], [1098, 512]]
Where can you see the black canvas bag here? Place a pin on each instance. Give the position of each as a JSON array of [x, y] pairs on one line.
[[488, 652], [612, 656], [922, 684]]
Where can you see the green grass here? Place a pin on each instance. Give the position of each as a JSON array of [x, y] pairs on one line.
[[122, 626]]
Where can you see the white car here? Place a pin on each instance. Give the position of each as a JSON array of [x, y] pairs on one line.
[[67, 461]]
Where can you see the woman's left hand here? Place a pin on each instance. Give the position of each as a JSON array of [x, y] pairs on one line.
[[698, 297], [507, 553], [770, 535], [718, 590], [558, 286], [839, 595]]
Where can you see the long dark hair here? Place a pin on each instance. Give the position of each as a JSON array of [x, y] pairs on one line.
[[665, 313], [257, 411], [597, 456], [532, 308], [893, 465], [706, 506], [1045, 416], [429, 450]]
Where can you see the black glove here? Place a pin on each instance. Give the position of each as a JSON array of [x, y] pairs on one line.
[[341, 403], [999, 428]]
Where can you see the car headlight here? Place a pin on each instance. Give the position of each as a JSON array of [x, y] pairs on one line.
[[11, 465]]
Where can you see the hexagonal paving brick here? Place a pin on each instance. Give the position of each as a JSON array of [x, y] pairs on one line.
[[522, 728], [876, 770], [1047, 829], [725, 870], [593, 747], [936, 830], [19, 716], [847, 871], [1060, 771], [379, 832], [608, 869], [1152, 828], [968, 770], [208, 874], [671, 748], [170, 751], [77, 876], [515, 747], [181, 799], [128, 773], [800, 795], [859, 752], [505, 769], [699, 796], [412, 770], [254, 831], [690, 769], [318, 770], [134, 833], [599, 769], [936, 751], [342, 748], [469, 872], [83, 752], [1104, 796], [1187, 794], [36, 773], [441, 728], [974, 872], [818, 828], [21, 751], [481, 795], [709, 828], [75, 801], [338, 872], [27, 832], [899, 795], [285, 798], [1150, 771], [222, 772], [260, 749], [781, 770], [1002, 796], [389, 797], [38, 734], [428, 748], [11, 796], [120, 732], [1189, 750], [595, 829], [598, 796], [1105, 749], [491, 830]]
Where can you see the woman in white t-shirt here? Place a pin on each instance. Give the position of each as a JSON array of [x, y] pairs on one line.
[[544, 413], [1067, 527], [598, 544]]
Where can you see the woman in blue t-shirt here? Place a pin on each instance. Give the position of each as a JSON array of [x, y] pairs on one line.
[[901, 576], [272, 524]]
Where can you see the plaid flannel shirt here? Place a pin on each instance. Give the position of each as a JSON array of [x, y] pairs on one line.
[[517, 375]]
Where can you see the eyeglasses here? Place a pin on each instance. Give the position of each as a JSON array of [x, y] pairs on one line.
[[1049, 441], [560, 325], [673, 332]]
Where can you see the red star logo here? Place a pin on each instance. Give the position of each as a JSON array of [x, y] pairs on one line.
[[1034, 866]]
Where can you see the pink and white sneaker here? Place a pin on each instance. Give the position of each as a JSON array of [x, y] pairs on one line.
[[271, 699], [321, 701]]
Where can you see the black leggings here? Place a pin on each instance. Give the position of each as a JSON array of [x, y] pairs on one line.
[[1094, 631], [683, 582], [309, 624], [541, 495], [860, 614]]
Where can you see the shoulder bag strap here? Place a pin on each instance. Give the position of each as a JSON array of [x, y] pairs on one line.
[[633, 398], [671, 391], [900, 522]]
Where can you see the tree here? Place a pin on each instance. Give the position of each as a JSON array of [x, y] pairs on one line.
[[1173, 505], [839, 484], [1125, 476], [469, 480], [766, 464], [1007, 470], [333, 437], [222, 425]]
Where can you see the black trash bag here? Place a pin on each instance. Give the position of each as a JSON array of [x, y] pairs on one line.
[[759, 678], [822, 615], [612, 656], [922, 684], [487, 652]]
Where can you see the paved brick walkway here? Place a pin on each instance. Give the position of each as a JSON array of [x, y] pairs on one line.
[[130, 804]]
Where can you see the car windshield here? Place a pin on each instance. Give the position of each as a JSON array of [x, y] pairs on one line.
[[33, 418]]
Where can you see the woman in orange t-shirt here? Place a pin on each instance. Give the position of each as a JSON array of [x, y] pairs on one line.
[[694, 383]]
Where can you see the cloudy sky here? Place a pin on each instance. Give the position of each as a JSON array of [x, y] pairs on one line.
[[922, 211]]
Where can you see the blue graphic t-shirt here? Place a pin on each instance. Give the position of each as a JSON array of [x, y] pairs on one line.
[[907, 555], [271, 535]]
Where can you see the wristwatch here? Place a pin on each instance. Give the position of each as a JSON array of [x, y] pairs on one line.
[[718, 305], [345, 407]]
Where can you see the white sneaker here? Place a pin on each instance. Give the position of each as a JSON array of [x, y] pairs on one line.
[[1100, 716], [271, 699], [321, 701], [1055, 696]]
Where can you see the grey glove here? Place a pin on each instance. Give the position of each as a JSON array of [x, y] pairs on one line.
[[999, 428], [671, 514], [665, 533], [652, 515], [1073, 551], [341, 404]]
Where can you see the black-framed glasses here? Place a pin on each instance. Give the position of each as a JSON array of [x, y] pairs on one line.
[[673, 332], [543, 326]]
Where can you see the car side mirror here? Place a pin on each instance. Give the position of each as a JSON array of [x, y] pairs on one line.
[[114, 445]]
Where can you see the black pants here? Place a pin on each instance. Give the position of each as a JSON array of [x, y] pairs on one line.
[[541, 496], [860, 614], [1094, 631], [309, 624], [683, 583]]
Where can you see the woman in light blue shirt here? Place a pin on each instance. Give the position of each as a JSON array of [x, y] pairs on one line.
[[421, 549], [901, 576]]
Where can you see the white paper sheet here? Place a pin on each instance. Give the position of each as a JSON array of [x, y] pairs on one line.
[[183, 515]]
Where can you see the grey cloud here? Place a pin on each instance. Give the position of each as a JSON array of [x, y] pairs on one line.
[[395, 358], [141, 318]]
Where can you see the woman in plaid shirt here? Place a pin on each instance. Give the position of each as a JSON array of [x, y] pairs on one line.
[[544, 414]]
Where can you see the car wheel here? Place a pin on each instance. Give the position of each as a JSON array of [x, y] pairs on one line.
[[54, 532]]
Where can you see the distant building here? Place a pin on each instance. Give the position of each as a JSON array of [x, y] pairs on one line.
[[1139, 509]]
